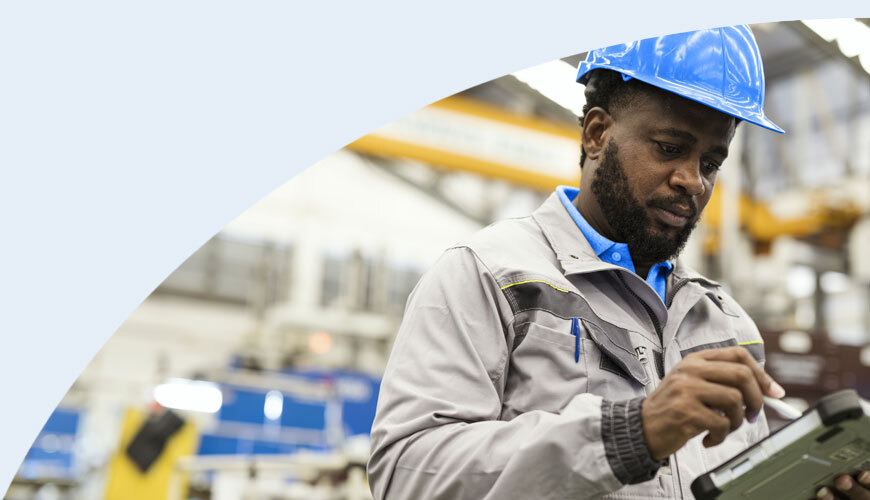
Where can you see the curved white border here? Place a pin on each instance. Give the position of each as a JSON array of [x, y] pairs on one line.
[[129, 134]]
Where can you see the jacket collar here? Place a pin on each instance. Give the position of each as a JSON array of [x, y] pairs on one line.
[[683, 271], [576, 255], [573, 251]]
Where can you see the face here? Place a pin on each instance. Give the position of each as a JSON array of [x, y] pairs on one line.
[[655, 165]]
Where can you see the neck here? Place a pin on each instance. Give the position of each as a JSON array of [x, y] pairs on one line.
[[641, 268], [591, 211]]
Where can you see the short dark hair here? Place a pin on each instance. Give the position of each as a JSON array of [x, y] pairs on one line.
[[608, 90]]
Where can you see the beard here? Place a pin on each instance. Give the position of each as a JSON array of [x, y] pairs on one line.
[[628, 217]]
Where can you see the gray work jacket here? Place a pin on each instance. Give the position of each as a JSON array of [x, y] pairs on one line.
[[521, 363]]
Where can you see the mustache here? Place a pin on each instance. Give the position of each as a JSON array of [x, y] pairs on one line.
[[676, 200]]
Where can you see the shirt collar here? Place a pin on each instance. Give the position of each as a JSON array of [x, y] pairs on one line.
[[605, 249], [599, 243]]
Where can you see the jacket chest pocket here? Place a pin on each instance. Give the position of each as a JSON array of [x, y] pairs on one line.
[[552, 364], [547, 368], [754, 346], [714, 324]]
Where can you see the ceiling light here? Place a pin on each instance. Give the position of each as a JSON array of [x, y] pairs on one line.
[[801, 282], [834, 282], [192, 395], [274, 405], [320, 343], [796, 342], [851, 35], [555, 80]]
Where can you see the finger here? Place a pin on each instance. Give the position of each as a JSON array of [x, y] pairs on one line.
[[735, 375], [852, 488], [718, 426], [864, 477], [738, 354], [724, 398], [825, 494]]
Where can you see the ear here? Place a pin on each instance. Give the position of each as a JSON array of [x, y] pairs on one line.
[[596, 130]]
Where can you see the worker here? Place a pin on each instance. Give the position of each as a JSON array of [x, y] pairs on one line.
[[570, 354]]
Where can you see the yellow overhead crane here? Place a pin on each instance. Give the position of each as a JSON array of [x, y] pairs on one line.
[[384, 144], [419, 141]]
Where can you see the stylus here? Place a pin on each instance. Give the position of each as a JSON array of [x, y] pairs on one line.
[[786, 410]]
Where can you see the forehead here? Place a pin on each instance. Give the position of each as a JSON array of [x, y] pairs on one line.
[[654, 109]]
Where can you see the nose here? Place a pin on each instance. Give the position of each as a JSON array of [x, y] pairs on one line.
[[687, 178]]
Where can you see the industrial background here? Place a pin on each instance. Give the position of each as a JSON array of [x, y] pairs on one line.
[[252, 372]]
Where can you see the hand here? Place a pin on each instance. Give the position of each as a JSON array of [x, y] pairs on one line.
[[855, 487], [711, 390]]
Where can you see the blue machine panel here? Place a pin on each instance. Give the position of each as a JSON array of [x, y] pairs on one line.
[[243, 405], [303, 414], [222, 445], [358, 414], [52, 454], [244, 429], [218, 445]]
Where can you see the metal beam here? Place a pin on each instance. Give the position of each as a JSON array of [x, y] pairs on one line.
[[430, 189], [789, 63]]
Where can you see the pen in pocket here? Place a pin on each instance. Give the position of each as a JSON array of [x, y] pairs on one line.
[[575, 331]]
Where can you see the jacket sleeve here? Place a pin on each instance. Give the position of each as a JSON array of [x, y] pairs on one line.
[[437, 433]]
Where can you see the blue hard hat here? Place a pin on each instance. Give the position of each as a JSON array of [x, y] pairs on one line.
[[719, 67]]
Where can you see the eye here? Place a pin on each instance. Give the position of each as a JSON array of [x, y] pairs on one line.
[[668, 149], [710, 167]]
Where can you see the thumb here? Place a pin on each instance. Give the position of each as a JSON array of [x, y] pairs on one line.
[[773, 389]]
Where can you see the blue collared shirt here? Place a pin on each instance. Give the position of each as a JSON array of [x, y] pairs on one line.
[[612, 252]]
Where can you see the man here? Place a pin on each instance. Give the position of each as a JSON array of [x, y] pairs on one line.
[[565, 354]]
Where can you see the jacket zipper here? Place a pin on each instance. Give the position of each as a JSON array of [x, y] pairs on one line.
[[671, 467], [674, 289], [648, 389], [644, 360], [673, 458]]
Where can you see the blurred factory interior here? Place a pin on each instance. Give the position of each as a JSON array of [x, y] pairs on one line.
[[267, 344]]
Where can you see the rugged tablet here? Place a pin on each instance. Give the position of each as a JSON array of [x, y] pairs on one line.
[[828, 440]]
